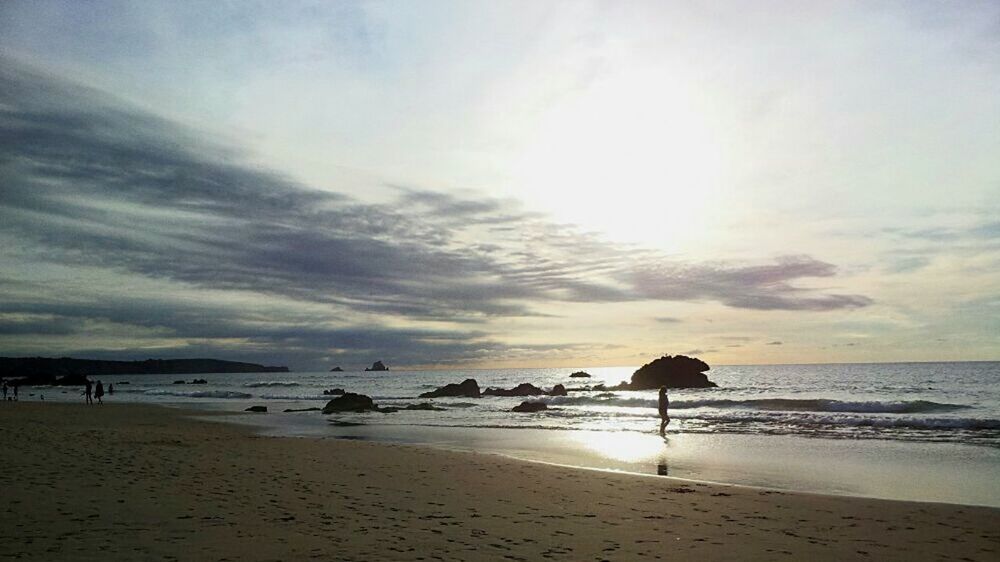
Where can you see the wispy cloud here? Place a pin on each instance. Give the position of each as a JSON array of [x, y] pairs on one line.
[[91, 183]]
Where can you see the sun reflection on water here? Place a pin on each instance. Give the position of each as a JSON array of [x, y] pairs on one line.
[[624, 446]]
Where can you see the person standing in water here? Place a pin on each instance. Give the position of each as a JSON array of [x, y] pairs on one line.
[[664, 415], [88, 391]]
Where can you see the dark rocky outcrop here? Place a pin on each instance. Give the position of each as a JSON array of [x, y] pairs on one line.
[[334, 392], [349, 402], [258, 409], [523, 389], [336, 370], [378, 366], [180, 382], [678, 371], [34, 366], [199, 381], [468, 388], [529, 407], [580, 374], [287, 410]]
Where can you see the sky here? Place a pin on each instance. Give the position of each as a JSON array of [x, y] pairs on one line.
[[500, 184]]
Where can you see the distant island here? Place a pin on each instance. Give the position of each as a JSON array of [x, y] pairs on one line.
[[336, 370], [45, 368], [378, 366]]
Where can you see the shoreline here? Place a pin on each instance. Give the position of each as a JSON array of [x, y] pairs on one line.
[[135, 481]]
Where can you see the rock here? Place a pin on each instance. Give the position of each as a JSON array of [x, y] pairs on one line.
[[523, 389], [180, 382], [334, 392], [468, 388], [529, 407], [336, 370], [338, 423], [377, 366], [678, 371], [259, 409], [287, 410], [558, 390], [349, 402], [422, 406], [580, 374], [199, 381]]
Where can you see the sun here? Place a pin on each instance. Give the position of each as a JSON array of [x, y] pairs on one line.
[[633, 157]]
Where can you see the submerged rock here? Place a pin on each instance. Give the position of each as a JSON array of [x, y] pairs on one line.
[[580, 374], [258, 409], [678, 371], [199, 381], [422, 406], [334, 392], [349, 402], [468, 388], [377, 366], [529, 407], [336, 370], [287, 410]]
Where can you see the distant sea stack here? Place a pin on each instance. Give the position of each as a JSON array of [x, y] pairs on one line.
[[44, 370], [336, 370], [678, 371], [378, 366]]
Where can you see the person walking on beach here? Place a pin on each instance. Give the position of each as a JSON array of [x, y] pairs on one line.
[[664, 415], [99, 392], [89, 399]]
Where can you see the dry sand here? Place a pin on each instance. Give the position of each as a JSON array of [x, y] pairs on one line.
[[130, 482]]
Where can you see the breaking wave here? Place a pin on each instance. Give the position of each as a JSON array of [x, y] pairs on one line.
[[770, 404], [267, 384], [200, 393]]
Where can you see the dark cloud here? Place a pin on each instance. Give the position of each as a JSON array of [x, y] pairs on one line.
[[90, 183], [774, 343]]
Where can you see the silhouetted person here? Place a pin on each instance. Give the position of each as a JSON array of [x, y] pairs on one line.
[[111, 388], [88, 391], [664, 405], [99, 392], [5, 391]]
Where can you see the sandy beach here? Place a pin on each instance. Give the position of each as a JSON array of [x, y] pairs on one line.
[[136, 482]]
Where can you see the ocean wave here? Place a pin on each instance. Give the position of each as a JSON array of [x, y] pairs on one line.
[[200, 393], [769, 404], [267, 384]]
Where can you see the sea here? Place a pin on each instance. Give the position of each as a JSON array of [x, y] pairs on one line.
[[910, 431]]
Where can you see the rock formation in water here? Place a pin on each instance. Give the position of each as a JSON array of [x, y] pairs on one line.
[[336, 370], [258, 409], [525, 389], [349, 402], [334, 392], [468, 388], [529, 407], [378, 366], [580, 374], [678, 371]]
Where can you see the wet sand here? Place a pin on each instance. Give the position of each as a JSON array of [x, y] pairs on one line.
[[131, 482]]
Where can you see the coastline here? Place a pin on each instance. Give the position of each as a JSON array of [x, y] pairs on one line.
[[132, 481]]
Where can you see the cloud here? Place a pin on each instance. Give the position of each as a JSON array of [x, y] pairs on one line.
[[774, 343], [90, 183]]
